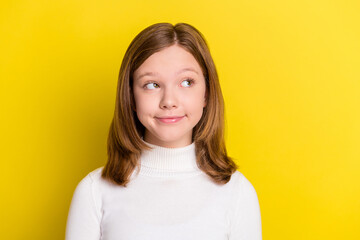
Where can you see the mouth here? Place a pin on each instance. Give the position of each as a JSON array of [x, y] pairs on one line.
[[170, 119]]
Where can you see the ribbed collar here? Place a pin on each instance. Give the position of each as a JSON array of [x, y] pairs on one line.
[[162, 161]]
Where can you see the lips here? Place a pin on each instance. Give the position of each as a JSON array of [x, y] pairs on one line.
[[170, 119]]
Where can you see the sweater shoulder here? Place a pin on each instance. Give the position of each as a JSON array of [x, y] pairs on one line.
[[92, 182], [238, 178], [241, 185], [95, 175]]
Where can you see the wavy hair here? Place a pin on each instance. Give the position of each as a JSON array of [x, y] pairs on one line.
[[124, 143]]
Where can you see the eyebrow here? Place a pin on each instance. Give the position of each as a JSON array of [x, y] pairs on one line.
[[177, 73]]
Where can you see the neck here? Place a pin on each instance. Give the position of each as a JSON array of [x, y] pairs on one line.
[[178, 143], [162, 161]]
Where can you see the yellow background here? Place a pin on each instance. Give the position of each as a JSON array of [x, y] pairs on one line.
[[290, 76]]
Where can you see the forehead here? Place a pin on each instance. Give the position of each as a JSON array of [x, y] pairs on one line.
[[168, 61]]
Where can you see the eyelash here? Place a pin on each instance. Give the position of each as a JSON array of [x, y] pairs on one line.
[[190, 80]]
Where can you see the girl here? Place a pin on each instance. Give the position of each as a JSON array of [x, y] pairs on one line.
[[168, 175]]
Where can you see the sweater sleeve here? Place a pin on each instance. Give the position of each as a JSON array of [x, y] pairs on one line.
[[83, 220], [246, 220]]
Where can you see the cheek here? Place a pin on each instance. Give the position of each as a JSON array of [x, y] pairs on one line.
[[144, 105], [194, 107], [195, 101]]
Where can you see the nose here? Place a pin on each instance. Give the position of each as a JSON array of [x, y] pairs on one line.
[[169, 99]]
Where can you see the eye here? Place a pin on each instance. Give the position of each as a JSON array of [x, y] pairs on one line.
[[151, 85], [188, 82]]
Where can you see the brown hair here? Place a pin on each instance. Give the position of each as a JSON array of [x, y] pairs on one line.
[[124, 141]]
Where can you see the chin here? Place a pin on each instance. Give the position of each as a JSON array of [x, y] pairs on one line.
[[169, 139]]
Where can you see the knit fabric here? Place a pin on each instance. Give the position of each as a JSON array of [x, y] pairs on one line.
[[170, 198]]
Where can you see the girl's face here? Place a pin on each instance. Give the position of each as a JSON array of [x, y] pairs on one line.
[[169, 90]]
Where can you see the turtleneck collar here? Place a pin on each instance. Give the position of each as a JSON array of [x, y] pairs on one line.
[[162, 161]]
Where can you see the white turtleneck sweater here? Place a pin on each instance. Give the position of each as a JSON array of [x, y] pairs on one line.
[[170, 199]]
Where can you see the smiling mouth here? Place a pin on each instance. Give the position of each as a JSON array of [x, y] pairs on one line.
[[169, 119]]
